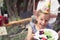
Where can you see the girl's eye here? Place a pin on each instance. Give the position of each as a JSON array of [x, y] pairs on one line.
[[46, 20], [41, 19]]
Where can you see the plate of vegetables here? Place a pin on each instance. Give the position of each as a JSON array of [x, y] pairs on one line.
[[46, 34]]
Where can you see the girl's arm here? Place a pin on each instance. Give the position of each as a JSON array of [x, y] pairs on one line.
[[29, 35], [53, 16]]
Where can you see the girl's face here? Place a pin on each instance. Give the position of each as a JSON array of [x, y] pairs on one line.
[[43, 19]]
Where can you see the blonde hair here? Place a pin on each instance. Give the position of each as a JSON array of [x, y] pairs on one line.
[[42, 12]]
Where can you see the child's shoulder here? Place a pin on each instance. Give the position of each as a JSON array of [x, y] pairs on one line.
[[31, 24]]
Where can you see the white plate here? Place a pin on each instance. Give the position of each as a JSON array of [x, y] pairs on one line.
[[47, 32]]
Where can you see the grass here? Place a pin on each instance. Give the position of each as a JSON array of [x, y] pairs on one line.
[[14, 34]]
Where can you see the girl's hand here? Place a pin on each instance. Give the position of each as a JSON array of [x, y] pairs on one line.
[[33, 36], [59, 33]]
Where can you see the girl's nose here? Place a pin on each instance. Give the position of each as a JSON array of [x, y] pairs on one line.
[[43, 22]]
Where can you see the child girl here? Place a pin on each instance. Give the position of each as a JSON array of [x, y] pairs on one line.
[[41, 23]]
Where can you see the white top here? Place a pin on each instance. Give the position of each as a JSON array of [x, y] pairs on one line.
[[53, 9]]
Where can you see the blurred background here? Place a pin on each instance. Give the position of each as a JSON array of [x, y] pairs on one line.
[[18, 10]]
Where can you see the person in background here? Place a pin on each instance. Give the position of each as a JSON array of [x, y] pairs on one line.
[[54, 5]]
